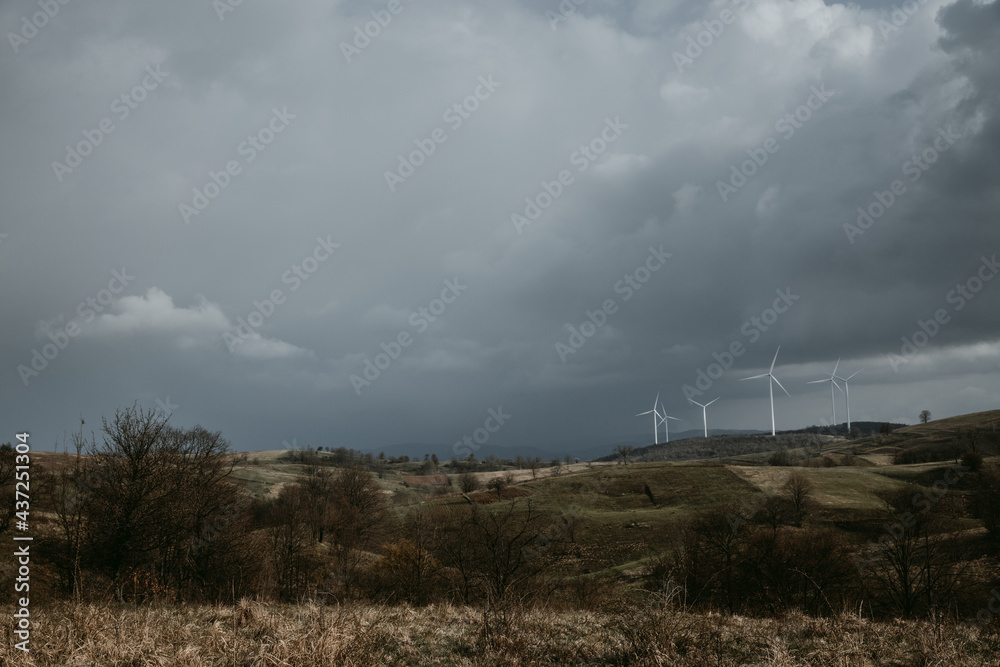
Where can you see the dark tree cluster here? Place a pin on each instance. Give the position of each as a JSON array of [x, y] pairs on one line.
[[155, 512]]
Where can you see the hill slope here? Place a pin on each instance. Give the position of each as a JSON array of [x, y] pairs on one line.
[[726, 446], [939, 440]]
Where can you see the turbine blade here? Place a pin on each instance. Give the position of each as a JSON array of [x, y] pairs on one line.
[[782, 388], [674, 418], [762, 375], [852, 375], [836, 367], [712, 401], [775, 359], [818, 381], [837, 386], [643, 413]]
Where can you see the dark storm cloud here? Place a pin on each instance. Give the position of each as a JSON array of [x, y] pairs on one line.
[[319, 262]]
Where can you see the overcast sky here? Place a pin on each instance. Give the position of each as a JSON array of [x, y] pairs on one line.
[[466, 181]]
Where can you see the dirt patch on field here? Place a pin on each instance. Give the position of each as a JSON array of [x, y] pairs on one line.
[[507, 493], [425, 480], [768, 480]]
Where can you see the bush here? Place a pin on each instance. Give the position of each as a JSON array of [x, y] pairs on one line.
[[497, 484], [468, 482], [780, 458], [973, 461], [649, 493]]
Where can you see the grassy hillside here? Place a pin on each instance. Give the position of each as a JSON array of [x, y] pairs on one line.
[[727, 446], [938, 440], [623, 514]]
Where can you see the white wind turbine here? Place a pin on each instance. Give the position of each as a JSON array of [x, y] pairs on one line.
[[666, 425], [847, 393], [833, 383], [656, 418], [770, 385], [704, 412]]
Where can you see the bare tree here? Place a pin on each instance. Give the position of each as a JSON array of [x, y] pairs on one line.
[[152, 492], [571, 520], [715, 539], [623, 452], [497, 484], [359, 510], [510, 552], [409, 561], [973, 437], [925, 416], [776, 511], [288, 542], [910, 567], [798, 491], [318, 485], [468, 482], [458, 555], [66, 491]]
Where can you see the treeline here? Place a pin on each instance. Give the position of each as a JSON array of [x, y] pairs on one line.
[[341, 457], [722, 446], [858, 429]]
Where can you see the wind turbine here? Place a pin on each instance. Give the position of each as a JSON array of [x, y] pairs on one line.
[[847, 393], [770, 385], [833, 383], [666, 425], [656, 418], [704, 411]]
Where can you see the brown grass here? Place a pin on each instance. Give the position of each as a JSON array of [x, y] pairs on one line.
[[506, 493], [252, 633], [425, 480]]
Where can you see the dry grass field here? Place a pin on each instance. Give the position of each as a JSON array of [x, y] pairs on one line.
[[253, 634]]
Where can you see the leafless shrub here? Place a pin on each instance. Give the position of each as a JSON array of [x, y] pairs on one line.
[[468, 482]]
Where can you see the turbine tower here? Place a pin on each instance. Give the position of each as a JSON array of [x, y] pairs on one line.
[[770, 385], [666, 425], [833, 383], [847, 393], [704, 412], [656, 419]]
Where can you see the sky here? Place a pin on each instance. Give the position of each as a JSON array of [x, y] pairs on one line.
[[361, 223]]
